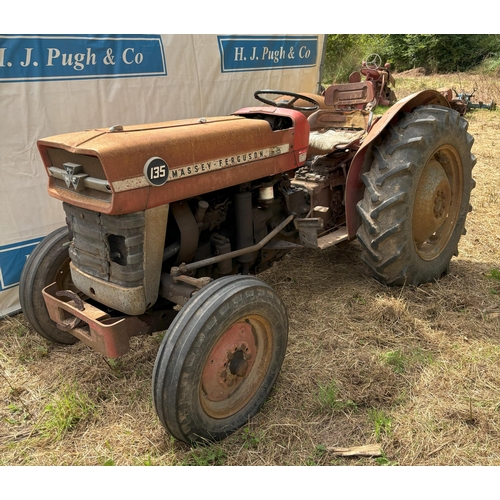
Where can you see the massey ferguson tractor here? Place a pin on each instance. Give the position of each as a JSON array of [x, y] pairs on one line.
[[168, 224]]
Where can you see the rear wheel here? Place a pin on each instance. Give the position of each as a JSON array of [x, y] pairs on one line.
[[220, 359], [48, 263], [417, 197]]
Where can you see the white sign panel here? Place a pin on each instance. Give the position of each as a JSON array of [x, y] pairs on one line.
[[53, 84]]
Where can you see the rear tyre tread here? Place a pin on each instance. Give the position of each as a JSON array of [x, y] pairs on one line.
[[386, 210]]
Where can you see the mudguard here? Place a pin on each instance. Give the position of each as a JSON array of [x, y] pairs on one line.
[[362, 160]]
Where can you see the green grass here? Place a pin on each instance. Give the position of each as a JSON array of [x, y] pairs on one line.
[[359, 299], [314, 459], [64, 413], [17, 414], [383, 460], [494, 274], [396, 360], [251, 439], [380, 110], [400, 362], [205, 455], [329, 399], [382, 423], [490, 64]]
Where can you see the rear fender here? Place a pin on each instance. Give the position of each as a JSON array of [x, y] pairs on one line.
[[362, 160]]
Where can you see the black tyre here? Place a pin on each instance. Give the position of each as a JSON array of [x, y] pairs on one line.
[[417, 197], [48, 263], [220, 359]]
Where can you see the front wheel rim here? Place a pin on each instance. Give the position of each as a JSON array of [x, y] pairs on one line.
[[236, 367]]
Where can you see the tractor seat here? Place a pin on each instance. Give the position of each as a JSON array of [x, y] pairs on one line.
[[344, 119], [335, 129], [324, 142], [350, 95], [371, 75]]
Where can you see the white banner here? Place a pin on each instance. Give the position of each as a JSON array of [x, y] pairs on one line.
[[52, 84]]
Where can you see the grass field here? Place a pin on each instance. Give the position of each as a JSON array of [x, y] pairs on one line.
[[414, 370]]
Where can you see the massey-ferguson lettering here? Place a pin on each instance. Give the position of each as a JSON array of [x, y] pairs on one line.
[[168, 224]]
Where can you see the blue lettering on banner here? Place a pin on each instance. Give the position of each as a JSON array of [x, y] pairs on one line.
[[253, 53], [70, 57], [12, 260]]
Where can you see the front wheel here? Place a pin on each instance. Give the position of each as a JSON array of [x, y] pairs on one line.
[[220, 359], [416, 197], [48, 263]]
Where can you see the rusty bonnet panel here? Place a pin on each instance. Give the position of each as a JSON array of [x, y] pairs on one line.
[[159, 162]]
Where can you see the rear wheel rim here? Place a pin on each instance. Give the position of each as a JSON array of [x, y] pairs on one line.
[[437, 202]]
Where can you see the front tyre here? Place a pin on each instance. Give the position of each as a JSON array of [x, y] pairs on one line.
[[48, 263], [220, 359], [417, 196]]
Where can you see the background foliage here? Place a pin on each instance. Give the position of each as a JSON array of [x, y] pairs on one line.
[[436, 53]]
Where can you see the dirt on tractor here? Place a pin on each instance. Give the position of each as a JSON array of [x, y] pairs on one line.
[[411, 370]]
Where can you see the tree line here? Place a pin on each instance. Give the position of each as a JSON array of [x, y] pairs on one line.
[[435, 53]]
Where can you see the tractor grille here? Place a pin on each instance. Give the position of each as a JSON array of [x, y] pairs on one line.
[[79, 173], [108, 247]]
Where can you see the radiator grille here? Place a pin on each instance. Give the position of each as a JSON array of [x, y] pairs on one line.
[[108, 247]]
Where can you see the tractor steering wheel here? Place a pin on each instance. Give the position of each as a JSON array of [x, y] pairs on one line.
[[373, 61], [290, 103]]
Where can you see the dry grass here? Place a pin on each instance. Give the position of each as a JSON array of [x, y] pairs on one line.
[[416, 370]]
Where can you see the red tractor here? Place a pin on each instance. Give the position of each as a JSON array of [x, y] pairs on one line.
[[168, 224], [379, 80]]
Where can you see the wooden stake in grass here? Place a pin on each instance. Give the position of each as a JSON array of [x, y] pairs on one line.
[[367, 450]]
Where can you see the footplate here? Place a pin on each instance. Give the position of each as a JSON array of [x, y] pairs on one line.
[[107, 335]]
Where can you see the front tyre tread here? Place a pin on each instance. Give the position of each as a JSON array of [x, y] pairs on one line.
[[49, 258], [179, 400]]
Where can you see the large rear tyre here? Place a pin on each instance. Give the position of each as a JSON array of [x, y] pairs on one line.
[[417, 196], [48, 263], [220, 359]]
